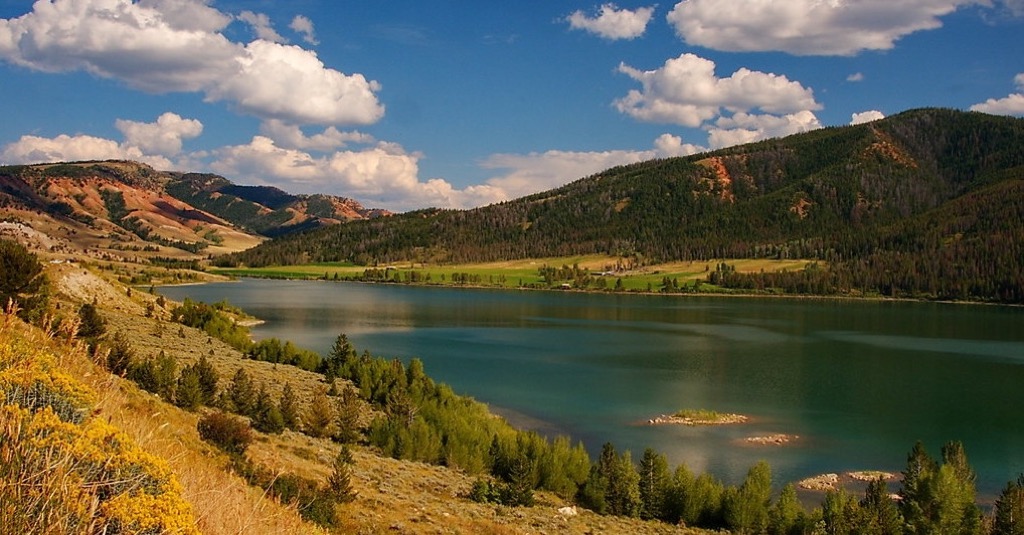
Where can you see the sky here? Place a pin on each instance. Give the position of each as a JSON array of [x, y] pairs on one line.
[[459, 103]]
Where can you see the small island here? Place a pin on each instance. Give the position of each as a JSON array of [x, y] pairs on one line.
[[694, 417], [777, 439]]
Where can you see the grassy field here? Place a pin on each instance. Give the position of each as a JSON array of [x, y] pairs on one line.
[[522, 273]]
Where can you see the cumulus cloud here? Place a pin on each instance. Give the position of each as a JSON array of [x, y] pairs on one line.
[[866, 117], [686, 91], [613, 23], [166, 46], [304, 27], [806, 27], [855, 77], [64, 148], [667, 146], [744, 127], [384, 175], [261, 25], [1012, 104], [292, 137], [163, 137]]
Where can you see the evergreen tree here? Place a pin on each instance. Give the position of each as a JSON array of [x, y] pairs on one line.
[[654, 483], [1009, 510], [22, 281], [623, 492], [348, 416], [266, 414], [879, 513], [120, 356], [592, 492], [91, 325], [289, 408], [916, 493], [339, 483], [208, 379], [784, 516], [840, 513], [318, 420], [188, 394], [341, 353], [746, 510], [518, 488], [240, 396]]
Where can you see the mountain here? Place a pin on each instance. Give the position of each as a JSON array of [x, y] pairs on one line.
[[926, 203], [264, 209], [118, 206]]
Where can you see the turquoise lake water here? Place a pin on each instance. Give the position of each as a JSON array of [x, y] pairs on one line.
[[857, 382]]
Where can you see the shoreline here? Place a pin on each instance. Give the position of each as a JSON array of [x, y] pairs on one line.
[[809, 297]]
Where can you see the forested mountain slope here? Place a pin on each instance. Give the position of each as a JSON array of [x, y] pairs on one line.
[[932, 194]]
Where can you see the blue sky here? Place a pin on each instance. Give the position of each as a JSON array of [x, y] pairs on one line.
[[409, 104]]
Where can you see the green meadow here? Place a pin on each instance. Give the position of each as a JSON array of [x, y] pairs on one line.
[[600, 271]]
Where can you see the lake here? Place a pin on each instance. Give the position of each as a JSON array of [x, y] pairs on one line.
[[857, 381]]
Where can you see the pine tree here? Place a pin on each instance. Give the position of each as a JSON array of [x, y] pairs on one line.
[[120, 355], [623, 494], [91, 324], [1009, 510], [188, 394], [348, 416], [916, 494], [208, 379], [784, 516], [240, 397], [654, 482], [839, 513], [747, 509], [289, 408], [879, 513], [266, 415], [339, 483], [318, 420], [22, 281]]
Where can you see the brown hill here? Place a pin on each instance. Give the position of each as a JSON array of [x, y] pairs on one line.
[[127, 211]]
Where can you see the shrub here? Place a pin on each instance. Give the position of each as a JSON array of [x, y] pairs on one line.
[[22, 281], [229, 433], [121, 356], [64, 472]]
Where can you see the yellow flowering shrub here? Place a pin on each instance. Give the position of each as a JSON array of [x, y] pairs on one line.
[[63, 472]]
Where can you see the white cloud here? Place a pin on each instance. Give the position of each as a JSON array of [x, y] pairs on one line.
[[687, 92], [292, 137], [613, 23], [866, 117], [855, 77], [65, 148], [668, 146], [534, 172], [807, 27], [261, 25], [744, 127], [164, 46], [384, 175], [163, 137], [1013, 104], [304, 27], [290, 83]]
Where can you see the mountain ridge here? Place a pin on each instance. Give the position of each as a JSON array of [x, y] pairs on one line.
[[117, 205]]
